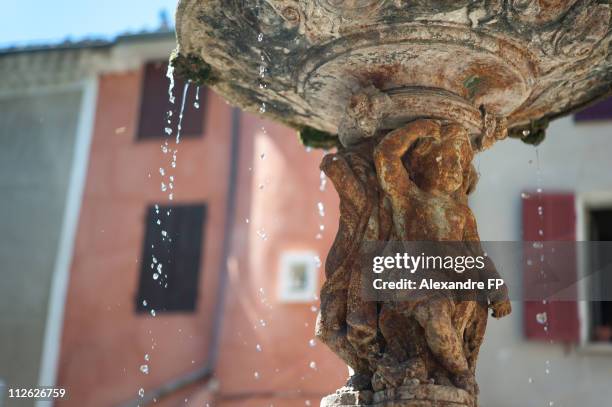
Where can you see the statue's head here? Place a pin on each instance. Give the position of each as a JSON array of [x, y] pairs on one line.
[[443, 164]]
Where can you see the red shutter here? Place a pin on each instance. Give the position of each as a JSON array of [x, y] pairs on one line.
[[552, 218]]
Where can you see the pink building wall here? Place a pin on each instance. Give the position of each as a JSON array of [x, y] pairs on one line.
[[104, 340]]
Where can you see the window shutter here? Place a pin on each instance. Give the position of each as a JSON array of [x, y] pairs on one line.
[[599, 111], [179, 253], [154, 105], [555, 216]]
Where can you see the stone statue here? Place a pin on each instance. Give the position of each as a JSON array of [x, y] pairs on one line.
[[410, 184]]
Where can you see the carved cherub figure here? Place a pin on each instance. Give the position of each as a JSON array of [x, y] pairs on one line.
[[347, 323], [428, 199]]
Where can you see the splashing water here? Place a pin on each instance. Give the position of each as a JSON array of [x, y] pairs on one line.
[[323, 181], [542, 318], [196, 104], [180, 121], [170, 76]]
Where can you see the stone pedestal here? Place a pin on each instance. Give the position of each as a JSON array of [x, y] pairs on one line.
[[420, 395]]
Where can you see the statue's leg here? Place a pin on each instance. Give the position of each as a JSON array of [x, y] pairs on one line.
[[331, 329], [362, 319], [474, 334], [435, 316]]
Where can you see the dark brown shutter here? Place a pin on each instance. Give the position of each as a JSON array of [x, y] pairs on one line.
[[557, 221], [179, 253], [154, 105]]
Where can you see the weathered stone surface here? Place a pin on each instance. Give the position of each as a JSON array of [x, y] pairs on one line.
[[527, 61], [424, 395], [410, 184]]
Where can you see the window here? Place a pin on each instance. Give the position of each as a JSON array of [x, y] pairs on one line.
[[298, 276], [599, 111], [170, 268], [600, 315], [154, 105]]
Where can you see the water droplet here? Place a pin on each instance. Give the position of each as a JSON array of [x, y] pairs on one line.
[[317, 260], [152, 312], [260, 37], [262, 156], [247, 220], [312, 343], [314, 308], [256, 375], [307, 403], [525, 195], [155, 276], [141, 392], [144, 303], [146, 357], [144, 369], [526, 132], [258, 348], [262, 108], [530, 380], [321, 209], [542, 317], [163, 187], [538, 245], [312, 365], [539, 190], [261, 186], [323, 181], [438, 158], [262, 234], [168, 131], [551, 403], [164, 233]]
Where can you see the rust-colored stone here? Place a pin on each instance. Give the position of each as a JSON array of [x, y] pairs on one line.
[[410, 184]]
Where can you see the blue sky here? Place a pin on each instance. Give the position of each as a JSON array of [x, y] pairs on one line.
[[49, 21]]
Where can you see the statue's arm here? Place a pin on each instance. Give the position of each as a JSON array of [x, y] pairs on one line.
[[350, 189], [388, 154]]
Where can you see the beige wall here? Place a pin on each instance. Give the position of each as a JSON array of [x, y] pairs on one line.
[[37, 139]]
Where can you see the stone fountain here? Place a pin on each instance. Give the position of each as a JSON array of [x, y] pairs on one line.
[[408, 92]]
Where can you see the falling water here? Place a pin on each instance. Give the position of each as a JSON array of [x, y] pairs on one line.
[[180, 122], [196, 104]]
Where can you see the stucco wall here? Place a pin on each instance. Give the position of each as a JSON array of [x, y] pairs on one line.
[[37, 137], [573, 158]]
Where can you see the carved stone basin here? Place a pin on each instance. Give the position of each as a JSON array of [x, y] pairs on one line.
[[408, 90], [526, 61]]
